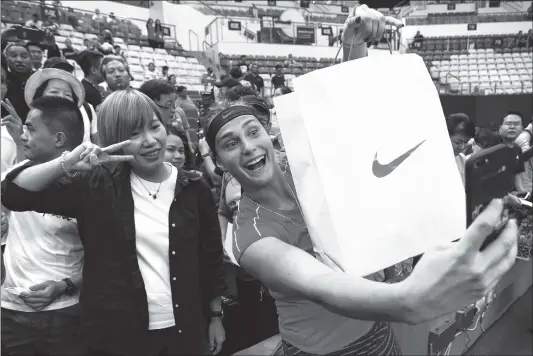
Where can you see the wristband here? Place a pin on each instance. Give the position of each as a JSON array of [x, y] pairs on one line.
[[205, 155], [217, 314], [65, 170]]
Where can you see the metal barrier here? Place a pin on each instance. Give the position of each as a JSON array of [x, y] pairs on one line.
[[470, 18]]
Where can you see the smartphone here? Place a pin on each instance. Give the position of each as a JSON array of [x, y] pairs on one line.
[[489, 174]]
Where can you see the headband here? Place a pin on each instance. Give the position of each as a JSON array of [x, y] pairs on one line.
[[222, 118]]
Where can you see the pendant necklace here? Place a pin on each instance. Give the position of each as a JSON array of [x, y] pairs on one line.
[[154, 195]]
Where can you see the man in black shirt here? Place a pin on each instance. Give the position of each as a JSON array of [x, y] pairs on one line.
[[20, 66], [278, 79], [69, 52], [89, 62], [255, 79]]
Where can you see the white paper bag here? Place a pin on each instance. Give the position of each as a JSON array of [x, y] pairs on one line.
[[383, 109]]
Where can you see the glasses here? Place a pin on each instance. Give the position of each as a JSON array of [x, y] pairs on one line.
[[512, 124], [167, 108]]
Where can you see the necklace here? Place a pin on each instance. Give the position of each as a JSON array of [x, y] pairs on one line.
[[154, 195], [284, 216]]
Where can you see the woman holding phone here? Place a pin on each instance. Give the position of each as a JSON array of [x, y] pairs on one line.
[[152, 278], [321, 310]]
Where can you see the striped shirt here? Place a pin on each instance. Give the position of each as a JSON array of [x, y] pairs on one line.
[[304, 325]]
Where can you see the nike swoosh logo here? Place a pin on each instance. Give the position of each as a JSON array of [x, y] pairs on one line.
[[383, 170]]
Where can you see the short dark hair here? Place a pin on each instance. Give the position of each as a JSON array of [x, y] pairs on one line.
[[34, 44], [164, 68], [61, 115], [117, 46], [512, 113], [235, 72], [285, 90], [88, 59], [189, 157], [487, 137], [155, 88], [181, 88], [460, 123], [239, 91], [278, 66]]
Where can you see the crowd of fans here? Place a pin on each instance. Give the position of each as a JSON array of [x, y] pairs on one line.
[[107, 195]]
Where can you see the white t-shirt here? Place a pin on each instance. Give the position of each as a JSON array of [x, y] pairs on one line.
[[40, 247], [152, 241], [9, 150]]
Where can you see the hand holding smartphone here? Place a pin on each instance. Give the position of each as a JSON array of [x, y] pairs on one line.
[[489, 174]]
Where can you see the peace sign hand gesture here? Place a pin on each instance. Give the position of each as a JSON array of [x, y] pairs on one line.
[[12, 122], [366, 25], [87, 156]]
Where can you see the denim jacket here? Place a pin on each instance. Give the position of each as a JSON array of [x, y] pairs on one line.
[[113, 299]]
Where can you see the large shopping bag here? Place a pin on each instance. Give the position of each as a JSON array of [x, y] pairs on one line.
[[386, 187]]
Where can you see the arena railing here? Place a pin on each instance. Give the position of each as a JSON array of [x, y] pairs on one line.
[[140, 23], [270, 31], [466, 18]]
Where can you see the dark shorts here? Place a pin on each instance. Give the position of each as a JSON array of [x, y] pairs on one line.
[[379, 340], [53, 332]]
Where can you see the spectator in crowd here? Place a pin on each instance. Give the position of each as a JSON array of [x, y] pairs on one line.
[[290, 62], [529, 39], [69, 52], [282, 91], [226, 82], [524, 180], [10, 127], [150, 73], [243, 63], [159, 34], [184, 101], [98, 20], [152, 33], [177, 150], [484, 138], [44, 256], [142, 209], [95, 44], [72, 19], [116, 73], [119, 51], [112, 21], [255, 79], [278, 79], [90, 61], [34, 22], [86, 44], [36, 53], [53, 81], [521, 40], [239, 91], [172, 80], [53, 51], [208, 78], [510, 128], [237, 74], [418, 39], [164, 72], [164, 96], [20, 67]]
